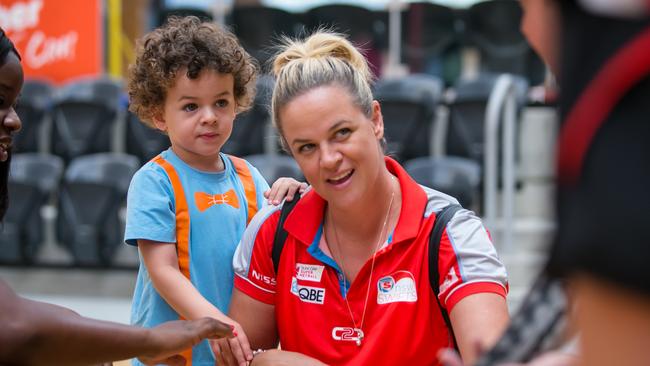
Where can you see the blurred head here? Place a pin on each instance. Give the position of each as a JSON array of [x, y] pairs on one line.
[[323, 107], [540, 24], [11, 82], [185, 46]]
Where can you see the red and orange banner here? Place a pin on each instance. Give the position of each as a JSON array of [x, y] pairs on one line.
[[57, 40]]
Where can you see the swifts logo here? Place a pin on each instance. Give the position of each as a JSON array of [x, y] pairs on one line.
[[396, 287]]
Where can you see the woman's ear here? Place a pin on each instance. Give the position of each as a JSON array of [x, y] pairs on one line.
[[377, 120]]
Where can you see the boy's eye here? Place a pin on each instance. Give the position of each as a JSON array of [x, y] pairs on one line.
[[222, 103], [190, 107], [306, 148]]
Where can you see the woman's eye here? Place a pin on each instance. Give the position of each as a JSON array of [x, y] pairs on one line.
[[306, 148], [189, 107], [343, 132]]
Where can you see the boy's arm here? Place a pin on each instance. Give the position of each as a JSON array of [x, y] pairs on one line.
[[36, 333], [178, 291]]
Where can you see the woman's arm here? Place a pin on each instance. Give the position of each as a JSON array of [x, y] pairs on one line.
[[256, 318], [478, 321], [36, 333]]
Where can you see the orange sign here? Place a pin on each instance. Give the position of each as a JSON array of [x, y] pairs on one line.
[[57, 40]]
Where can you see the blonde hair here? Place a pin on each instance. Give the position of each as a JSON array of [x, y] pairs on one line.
[[324, 58]]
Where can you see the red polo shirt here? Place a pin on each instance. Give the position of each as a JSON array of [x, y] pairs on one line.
[[403, 324]]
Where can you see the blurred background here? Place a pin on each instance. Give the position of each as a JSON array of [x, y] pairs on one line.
[[467, 104]]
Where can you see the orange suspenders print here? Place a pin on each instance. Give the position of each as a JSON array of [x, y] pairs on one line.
[[183, 214]]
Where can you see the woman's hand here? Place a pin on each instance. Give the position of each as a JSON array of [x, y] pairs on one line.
[[284, 188]]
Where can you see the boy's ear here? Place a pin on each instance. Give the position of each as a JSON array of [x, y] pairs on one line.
[[159, 122]]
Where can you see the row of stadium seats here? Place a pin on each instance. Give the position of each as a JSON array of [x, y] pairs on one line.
[[432, 35], [82, 116], [89, 197]]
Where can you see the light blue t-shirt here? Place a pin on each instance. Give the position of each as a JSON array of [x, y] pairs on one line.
[[215, 230]]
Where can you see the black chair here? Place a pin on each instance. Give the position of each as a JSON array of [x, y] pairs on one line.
[[363, 27], [257, 28], [431, 40], [92, 193], [408, 106], [34, 178], [143, 141], [457, 177], [467, 108], [250, 128], [273, 167], [34, 105], [83, 114], [493, 28]]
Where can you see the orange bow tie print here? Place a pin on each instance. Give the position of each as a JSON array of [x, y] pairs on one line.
[[205, 200]]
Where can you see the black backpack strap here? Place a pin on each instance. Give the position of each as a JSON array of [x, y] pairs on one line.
[[280, 233], [442, 219]]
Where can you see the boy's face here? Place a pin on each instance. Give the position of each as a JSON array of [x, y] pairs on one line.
[[198, 115]]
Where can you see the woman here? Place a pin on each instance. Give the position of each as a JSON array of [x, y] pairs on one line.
[[36, 333], [352, 285]]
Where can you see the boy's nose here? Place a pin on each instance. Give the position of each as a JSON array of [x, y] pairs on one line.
[[208, 116]]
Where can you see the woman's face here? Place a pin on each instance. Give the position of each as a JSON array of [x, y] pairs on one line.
[[335, 144], [11, 81]]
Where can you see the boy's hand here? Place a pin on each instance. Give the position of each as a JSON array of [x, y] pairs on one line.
[[233, 351], [284, 188]]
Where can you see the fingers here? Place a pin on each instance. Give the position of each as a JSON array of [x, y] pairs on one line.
[[212, 328], [284, 189], [223, 352], [449, 357]]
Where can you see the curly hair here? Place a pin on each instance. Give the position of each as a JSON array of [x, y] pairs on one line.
[[186, 43]]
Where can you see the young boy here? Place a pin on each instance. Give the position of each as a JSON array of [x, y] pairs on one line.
[[188, 207]]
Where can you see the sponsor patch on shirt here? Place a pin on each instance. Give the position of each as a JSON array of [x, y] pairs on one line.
[[397, 287], [314, 295], [309, 272]]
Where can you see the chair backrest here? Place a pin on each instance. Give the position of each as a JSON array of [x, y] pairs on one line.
[[457, 177], [35, 101], [467, 107], [273, 167], [110, 169], [431, 36], [493, 27], [250, 127], [408, 106], [41, 170], [258, 28], [143, 141]]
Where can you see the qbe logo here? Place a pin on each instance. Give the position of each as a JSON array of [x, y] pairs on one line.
[[314, 295]]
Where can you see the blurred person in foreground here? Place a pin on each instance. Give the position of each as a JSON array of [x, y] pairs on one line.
[[37, 333], [599, 50]]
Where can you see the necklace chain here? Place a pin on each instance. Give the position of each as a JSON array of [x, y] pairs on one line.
[[359, 329]]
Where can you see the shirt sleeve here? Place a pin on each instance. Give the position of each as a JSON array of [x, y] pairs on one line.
[[150, 211], [468, 262], [252, 263]]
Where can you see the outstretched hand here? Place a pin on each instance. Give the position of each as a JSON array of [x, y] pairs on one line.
[[449, 357], [171, 338], [284, 188]]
